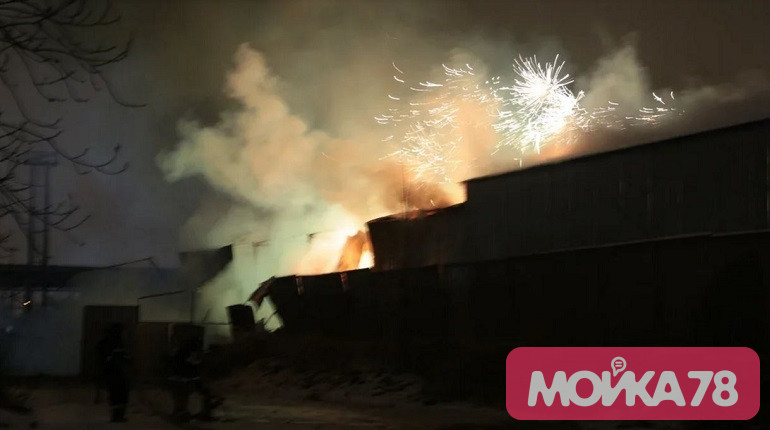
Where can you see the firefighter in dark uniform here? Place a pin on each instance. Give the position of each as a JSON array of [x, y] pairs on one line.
[[186, 379], [114, 360]]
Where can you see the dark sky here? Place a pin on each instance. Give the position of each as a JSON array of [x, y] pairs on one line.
[[325, 54]]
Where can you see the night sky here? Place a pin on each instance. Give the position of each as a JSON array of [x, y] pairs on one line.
[[332, 64]]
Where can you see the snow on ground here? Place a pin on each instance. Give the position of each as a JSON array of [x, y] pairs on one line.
[[72, 406]]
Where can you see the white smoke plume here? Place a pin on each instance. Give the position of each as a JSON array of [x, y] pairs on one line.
[[620, 77], [267, 157], [302, 191], [303, 181]]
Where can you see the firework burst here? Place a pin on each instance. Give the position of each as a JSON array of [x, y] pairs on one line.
[[430, 122], [537, 107], [428, 129]]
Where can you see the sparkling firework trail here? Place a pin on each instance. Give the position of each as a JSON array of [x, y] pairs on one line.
[[536, 109], [538, 106], [429, 129]]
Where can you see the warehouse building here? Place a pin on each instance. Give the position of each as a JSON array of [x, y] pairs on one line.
[[712, 182], [51, 318], [660, 244]]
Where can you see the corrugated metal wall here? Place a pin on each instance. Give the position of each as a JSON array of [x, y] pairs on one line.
[[429, 239], [702, 290], [709, 182], [463, 320]]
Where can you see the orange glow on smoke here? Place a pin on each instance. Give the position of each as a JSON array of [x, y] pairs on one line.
[[456, 193], [367, 259], [336, 251], [357, 253]]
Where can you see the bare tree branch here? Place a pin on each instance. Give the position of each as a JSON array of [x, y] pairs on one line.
[[51, 52]]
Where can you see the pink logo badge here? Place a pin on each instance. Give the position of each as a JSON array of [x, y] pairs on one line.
[[626, 383]]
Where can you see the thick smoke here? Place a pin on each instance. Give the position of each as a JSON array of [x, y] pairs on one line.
[[302, 192], [299, 152], [298, 140], [268, 157], [301, 180], [620, 77]]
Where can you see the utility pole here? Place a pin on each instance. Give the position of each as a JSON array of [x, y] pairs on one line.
[[38, 223]]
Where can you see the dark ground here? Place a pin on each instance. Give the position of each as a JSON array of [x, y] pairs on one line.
[[310, 383]]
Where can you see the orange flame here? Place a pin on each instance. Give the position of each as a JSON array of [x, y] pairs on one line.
[[356, 253]]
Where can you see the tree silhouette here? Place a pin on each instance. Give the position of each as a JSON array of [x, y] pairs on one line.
[[52, 52]]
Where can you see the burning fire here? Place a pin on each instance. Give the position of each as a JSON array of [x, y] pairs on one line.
[[357, 253], [336, 251], [367, 259]]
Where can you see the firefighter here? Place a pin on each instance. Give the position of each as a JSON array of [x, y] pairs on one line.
[[114, 360], [186, 379]]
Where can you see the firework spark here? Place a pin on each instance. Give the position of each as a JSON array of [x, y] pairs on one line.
[[429, 130], [535, 109]]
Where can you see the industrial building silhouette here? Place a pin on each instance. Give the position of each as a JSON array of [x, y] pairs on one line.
[[663, 244]]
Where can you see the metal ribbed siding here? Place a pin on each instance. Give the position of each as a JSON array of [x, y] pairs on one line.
[[700, 290], [714, 181], [431, 239]]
